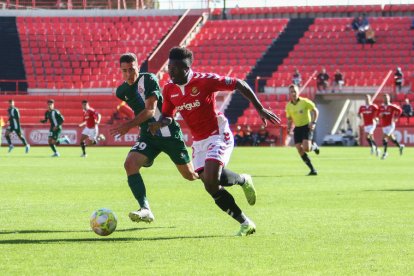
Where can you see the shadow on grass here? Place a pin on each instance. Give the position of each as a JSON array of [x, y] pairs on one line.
[[391, 190], [75, 231], [102, 239]]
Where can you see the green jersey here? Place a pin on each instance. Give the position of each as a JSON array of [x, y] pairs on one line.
[[55, 118], [14, 118], [136, 94]]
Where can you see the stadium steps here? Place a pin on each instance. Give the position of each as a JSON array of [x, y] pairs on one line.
[[11, 65], [269, 62], [280, 49]]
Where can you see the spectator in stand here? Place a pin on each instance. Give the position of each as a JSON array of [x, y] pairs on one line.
[[248, 139], [370, 36], [407, 110], [398, 79], [364, 20], [239, 136], [338, 81], [412, 25], [361, 35], [355, 24], [262, 135], [297, 78], [322, 81]]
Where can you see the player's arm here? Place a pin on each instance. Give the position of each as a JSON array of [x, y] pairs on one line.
[[147, 113], [82, 124], [98, 119], [45, 119], [314, 117], [264, 113], [166, 117]]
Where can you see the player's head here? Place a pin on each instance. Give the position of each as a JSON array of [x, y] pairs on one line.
[[11, 103], [179, 64], [51, 104], [129, 67], [293, 92], [386, 98], [368, 99], [85, 105]]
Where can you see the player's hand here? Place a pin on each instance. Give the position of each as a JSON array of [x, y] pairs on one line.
[[55, 128], [312, 126], [43, 121], [120, 130], [153, 127], [268, 115]]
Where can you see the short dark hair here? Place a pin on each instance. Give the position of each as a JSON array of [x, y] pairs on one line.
[[50, 101], [84, 101], [128, 58], [182, 53], [11, 100]]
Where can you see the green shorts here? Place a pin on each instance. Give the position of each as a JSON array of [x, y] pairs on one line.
[[151, 147], [54, 134], [18, 130]]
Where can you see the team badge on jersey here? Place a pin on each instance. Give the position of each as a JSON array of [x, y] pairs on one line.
[[194, 91], [227, 80]]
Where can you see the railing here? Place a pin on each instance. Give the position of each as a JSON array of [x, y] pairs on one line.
[[384, 87]]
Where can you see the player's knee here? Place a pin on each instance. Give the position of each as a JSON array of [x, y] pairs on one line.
[[384, 141], [211, 185], [131, 166]]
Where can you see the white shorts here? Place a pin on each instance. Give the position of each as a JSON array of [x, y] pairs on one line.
[[92, 133], [388, 130], [370, 129], [216, 147]]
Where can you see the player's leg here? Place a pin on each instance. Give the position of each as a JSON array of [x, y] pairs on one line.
[[305, 157], [140, 155], [400, 146], [83, 144], [7, 135], [176, 149], [385, 144], [23, 139], [52, 145], [223, 199], [372, 143]]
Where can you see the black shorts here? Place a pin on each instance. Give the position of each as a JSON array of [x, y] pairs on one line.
[[302, 133]]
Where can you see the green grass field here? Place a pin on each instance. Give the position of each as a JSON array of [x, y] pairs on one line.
[[356, 217]]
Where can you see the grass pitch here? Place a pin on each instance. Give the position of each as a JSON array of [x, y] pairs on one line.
[[355, 217]]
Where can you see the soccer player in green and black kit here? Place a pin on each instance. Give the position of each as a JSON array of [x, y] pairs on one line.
[[14, 125], [56, 120], [142, 93]]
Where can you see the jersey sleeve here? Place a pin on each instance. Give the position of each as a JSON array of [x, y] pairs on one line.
[[118, 93], [46, 115], [60, 118], [309, 104], [167, 106], [287, 111], [152, 87], [220, 83], [398, 110], [17, 114]]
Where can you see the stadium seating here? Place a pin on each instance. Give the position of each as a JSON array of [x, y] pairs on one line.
[[32, 108], [232, 47], [289, 11], [83, 52], [331, 44]]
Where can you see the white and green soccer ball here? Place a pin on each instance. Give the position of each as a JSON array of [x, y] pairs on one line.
[[103, 222]]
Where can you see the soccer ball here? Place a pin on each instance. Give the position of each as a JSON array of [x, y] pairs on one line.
[[103, 222]]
